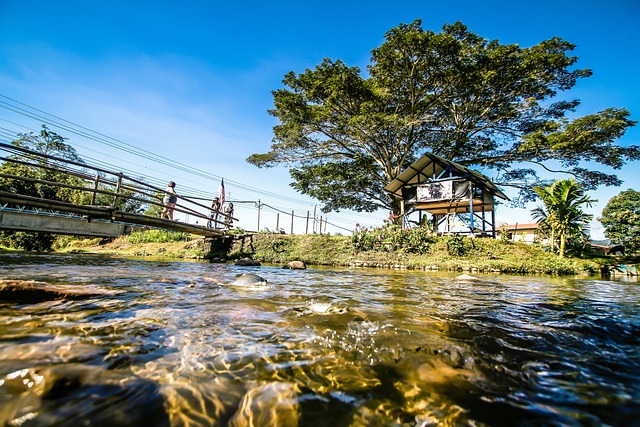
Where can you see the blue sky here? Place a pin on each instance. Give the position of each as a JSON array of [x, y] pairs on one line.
[[191, 81]]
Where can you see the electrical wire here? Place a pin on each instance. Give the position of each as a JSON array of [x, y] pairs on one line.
[[33, 113]]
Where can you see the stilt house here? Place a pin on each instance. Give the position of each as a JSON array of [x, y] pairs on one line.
[[448, 191]]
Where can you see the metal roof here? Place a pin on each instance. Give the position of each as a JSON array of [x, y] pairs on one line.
[[430, 165]]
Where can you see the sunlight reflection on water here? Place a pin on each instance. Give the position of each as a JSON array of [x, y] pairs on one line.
[[173, 344]]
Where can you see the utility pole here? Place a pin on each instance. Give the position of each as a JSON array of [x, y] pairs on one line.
[[291, 222], [259, 206]]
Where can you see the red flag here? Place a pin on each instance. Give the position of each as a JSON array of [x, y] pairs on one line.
[[221, 193]]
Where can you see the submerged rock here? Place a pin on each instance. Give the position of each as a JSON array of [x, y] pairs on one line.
[[32, 291], [246, 262], [68, 394], [273, 404], [467, 278]]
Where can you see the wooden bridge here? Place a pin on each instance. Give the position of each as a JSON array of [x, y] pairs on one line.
[[105, 203]]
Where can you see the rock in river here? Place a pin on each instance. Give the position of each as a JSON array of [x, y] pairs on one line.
[[295, 265], [32, 291], [249, 280]]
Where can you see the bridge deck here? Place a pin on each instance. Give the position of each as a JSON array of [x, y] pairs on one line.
[[42, 177], [90, 212]]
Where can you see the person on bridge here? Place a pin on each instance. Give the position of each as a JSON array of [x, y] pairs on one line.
[[169, 201], [215, 211], [228, 212]]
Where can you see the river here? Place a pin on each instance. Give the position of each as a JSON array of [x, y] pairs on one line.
[[172, 343]]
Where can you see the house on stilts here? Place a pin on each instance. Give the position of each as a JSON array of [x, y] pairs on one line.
[[451, 193]]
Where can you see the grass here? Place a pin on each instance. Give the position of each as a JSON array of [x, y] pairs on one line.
[[484, 255], [441, 253]]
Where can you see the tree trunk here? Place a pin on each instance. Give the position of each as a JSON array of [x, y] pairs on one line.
[[396, 211], [563, 240]]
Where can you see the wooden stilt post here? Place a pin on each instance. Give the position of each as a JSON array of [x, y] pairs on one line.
[[493, 221], [484, 222], [471, 207]]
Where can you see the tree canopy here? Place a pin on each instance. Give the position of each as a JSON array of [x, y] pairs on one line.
[[345, 134], [621, 220]]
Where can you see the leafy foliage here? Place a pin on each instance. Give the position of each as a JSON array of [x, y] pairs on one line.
[[28, 241], [456, 245], [152, 209], [621, 220], [392, 238], [345, 135], [45, 143]]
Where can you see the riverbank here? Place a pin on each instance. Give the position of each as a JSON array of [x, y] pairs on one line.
[[467, 255]]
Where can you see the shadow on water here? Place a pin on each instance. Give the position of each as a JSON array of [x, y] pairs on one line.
[[177, 343]]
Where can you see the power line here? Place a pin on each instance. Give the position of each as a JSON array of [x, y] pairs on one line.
[[119, 144], [33, 113]]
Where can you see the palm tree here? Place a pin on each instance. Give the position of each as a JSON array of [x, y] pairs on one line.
[[562, 210]]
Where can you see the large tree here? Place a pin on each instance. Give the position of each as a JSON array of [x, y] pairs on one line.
[[562, 212], [345, 134], [621, 219]]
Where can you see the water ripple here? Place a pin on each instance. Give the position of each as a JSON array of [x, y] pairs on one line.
[[176, 345]]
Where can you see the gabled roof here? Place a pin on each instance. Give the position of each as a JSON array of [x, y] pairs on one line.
[[429, 165], [526, 226]]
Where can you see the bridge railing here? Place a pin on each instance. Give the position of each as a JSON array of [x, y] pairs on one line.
[[90, 186]]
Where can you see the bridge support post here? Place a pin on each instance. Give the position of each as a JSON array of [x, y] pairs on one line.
[[117, 191], [95, 189]]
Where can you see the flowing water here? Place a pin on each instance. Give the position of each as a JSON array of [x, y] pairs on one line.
[[173, 343]]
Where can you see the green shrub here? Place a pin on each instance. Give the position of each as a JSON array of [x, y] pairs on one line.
[[392, 238], [157, 236], [419, 240], [63, 242], [27, 240], [457, 246]]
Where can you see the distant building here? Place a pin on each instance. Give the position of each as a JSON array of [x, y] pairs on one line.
[[605, 247], [521, 232]]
